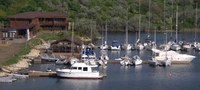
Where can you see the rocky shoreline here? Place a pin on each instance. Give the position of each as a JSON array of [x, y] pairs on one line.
[[22, 64]]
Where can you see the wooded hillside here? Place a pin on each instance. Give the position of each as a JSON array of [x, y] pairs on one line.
[[92, 14]]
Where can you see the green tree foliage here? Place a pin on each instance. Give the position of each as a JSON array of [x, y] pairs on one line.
[[116, 12]]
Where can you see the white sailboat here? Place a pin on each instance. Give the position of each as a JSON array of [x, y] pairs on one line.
[[127, 46], [137, 60], [175, 46], [138, 44], [104, 45], [103, 59], [148, 44]]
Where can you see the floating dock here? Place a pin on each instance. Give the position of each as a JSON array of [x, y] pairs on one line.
[[34, 73]]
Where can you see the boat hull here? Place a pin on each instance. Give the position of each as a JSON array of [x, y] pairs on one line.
[[77, 75]]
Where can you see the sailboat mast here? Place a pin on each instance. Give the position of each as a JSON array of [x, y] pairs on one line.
[[91, 31], [126, 41], [172, 16], [165, 25], [139, 20], [177, 22], [149, 18], [196, 22], [72, 42], [106, 30]]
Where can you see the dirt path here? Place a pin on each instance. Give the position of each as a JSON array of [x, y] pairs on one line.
[[9, 49]]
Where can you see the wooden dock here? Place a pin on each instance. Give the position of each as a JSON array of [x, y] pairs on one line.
[[34, 73]]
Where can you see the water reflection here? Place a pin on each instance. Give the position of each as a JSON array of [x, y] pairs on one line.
[[73, 84]]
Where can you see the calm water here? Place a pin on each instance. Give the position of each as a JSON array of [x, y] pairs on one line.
[[144, 77]]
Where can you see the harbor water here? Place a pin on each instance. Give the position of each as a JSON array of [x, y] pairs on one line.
[[143, 77]]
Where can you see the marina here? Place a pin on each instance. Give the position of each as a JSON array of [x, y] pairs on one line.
[[178, 75]]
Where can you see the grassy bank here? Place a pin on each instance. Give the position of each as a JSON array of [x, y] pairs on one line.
[[24, 49]]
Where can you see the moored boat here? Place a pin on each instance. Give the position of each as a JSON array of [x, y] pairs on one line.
[[79, 71]]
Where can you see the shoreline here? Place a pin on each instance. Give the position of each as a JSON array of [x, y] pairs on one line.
[[23, 63]]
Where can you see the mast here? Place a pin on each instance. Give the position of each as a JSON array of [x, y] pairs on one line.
[[106, 31], [149, 19], [172, 17], [126, 41], [176, 23], [91, 31], [165, 25], [196, 22], [139, 21], [72, 43]]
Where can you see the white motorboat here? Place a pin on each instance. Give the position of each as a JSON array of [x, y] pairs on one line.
[[137, 60], [125, 61], [186, 46], [173, 56], [115, 45], [88, 56], [79, 71], [175, 47]]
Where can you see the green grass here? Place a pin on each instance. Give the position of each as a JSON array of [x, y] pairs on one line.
[[51, 36], [25, 49]]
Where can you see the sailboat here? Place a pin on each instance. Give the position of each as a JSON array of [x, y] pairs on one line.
[[148, 44], [138, 44], [175, 46], [127, 46], [196, 44], [165, 61], [104, 45]]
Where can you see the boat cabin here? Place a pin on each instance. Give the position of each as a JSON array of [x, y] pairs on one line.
[[81, 67]]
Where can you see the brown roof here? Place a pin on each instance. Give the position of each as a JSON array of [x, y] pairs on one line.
[[31, 15], [18, 28], [69, 39]]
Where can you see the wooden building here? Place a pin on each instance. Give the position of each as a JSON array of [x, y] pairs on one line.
[[25, 25], [67, 45]]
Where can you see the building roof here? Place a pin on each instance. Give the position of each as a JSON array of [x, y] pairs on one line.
[[31, 15], [18, 28], [69, 39]]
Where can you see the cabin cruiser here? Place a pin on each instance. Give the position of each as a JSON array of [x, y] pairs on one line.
[[115, 45], [173, 56], [88, 56], [79, 71]]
